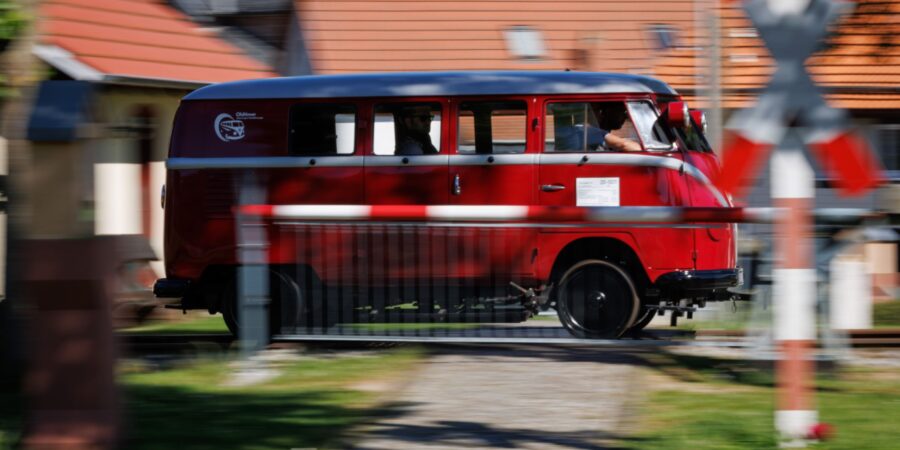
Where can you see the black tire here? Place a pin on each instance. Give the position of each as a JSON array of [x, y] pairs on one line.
[[597, 300], [644, 318], [284, 296]]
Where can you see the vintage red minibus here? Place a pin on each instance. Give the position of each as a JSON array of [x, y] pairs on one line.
[[574, 139]]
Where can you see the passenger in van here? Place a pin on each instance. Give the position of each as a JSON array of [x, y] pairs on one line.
[[611, 117], [413, 125]]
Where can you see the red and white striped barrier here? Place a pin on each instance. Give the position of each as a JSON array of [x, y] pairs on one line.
[[548, 214]]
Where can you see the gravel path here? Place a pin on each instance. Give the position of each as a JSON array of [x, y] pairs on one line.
[[507, 397]]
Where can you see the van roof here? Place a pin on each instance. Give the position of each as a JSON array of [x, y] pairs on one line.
[[414, 84]]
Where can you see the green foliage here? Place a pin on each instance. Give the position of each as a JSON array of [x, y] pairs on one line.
[[887, 314], [12, 20]]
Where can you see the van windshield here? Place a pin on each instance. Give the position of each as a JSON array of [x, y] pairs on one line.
[[646, 121]]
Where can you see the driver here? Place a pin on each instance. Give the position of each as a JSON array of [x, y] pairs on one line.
[[611, 117]]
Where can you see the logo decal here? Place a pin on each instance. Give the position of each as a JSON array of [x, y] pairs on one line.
[[228, 128]]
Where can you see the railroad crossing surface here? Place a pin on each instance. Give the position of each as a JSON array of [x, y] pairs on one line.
[[510, 397]]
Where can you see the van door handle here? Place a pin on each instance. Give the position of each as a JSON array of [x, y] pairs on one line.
[[457, 187], [552, 187]]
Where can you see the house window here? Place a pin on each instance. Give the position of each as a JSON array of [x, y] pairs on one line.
[[525, 42]]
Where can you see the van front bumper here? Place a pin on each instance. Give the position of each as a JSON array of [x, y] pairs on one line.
[[711, 284], [171, 288]]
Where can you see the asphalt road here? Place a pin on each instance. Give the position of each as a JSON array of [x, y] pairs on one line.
[[509, 397]]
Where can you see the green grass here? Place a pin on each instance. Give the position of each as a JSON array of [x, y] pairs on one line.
[[199, 325], [887, 314], [308, 405], [727, 404]]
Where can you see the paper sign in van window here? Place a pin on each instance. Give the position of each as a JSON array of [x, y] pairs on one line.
[[597, 192]]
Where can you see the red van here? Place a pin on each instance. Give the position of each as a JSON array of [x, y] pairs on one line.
[[463, 138]]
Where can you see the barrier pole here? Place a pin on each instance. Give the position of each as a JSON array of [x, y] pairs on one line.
[[793, 188]]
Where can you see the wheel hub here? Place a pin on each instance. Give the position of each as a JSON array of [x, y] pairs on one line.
[[600, 298]]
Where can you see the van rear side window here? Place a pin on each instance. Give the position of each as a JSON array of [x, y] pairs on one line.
[[492, 127], [407, 129], [318, 129]]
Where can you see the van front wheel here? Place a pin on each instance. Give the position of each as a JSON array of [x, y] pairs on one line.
[[597, 300]]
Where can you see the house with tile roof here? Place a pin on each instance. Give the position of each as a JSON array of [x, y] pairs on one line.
[[134, 60]]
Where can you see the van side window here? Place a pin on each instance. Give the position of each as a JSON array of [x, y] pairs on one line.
[[492, 127], [583, 127], [318, 129], [407, 129]]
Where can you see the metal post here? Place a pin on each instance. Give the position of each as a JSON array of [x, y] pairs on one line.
[[793, 188], [716, 115], [253, 280]]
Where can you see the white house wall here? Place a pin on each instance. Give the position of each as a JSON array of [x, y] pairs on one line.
[[117, 187]]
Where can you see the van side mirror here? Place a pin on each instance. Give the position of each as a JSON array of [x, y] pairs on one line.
[[699, 118], [677, 114]]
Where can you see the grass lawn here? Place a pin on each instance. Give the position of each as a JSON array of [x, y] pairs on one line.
[[308, 405], [195, 324], [187, 406], [707, 403], [887, 315]]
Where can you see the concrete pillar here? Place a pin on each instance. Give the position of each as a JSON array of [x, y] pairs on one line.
[[850, 294]]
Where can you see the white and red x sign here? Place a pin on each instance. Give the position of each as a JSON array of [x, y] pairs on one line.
[[792, 98]]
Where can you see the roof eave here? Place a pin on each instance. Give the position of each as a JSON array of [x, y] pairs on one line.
[[64, 61]]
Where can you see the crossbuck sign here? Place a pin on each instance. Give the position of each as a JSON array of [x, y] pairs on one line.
[[792, 31]]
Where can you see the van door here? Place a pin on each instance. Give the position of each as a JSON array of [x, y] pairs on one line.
[[578, 167], [491, 164], [406, 165]]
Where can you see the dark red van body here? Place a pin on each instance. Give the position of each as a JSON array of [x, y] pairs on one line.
[[205, 164]]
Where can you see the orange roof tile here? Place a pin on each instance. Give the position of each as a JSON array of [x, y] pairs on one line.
[[354, 36], [604, 35], [142, 39]]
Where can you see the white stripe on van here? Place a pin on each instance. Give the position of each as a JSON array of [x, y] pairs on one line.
[[522, 159], [405, 161], [611, 159]]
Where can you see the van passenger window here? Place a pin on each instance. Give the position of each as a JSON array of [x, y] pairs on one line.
[[322, 129], [492, 127], [407, 129], [583, 127]]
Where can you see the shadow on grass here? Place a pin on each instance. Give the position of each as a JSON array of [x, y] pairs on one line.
[[174, 417]]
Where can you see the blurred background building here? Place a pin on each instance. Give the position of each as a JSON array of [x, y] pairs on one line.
[[116, 69]]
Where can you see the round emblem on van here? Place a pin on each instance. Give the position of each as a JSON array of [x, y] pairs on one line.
[[228, 128]]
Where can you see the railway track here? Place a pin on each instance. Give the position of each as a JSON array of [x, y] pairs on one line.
[[875, 338]]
